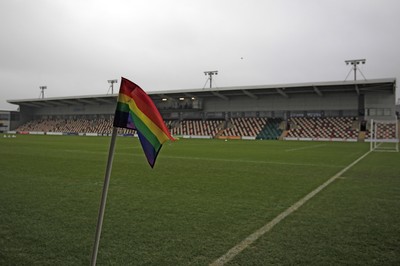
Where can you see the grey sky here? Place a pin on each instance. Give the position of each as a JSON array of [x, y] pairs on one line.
[[74, 46]]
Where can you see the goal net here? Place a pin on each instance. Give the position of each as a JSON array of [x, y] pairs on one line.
[[384, 135]]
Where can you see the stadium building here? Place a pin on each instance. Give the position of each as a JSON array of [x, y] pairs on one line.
[[5, 120], [339, 111]]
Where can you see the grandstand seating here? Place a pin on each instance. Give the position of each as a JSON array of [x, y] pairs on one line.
[[271, 129], [323, 128], [244, 126], [384, 131], [101, 126], [197, 127], [260, 128]]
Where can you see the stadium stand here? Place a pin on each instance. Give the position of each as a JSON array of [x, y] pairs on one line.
[[323, 128], [197, 127], [80, 125], [384, 131], [249, 126], [271, 129], [334, 110], [259, 128]]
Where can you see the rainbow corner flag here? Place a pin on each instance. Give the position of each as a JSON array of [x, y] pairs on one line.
[[135, 110]]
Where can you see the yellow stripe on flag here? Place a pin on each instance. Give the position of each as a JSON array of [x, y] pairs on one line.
[[158, 132], [124, 98]]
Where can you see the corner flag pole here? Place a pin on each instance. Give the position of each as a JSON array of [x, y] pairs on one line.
[[104, 196]]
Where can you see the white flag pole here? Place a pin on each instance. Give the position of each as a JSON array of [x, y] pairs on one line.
[[104, 196]]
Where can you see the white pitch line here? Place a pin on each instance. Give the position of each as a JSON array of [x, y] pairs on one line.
[[306, 147], [210, 159], [267, 227], [251, 161]]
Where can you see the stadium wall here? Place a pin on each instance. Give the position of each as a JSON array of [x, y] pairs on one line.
[[4, 121], [88, 109], [295, 102], [377, 105], [380, 106]]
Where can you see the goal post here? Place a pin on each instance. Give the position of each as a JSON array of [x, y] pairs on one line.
[[384, 135]]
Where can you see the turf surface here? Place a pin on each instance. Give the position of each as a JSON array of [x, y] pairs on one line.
[[202, 198]]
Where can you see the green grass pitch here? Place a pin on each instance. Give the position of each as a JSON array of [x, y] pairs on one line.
[[202, 198]]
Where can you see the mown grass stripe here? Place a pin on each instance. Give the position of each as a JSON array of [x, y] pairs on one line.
[[233, 252], [208, 158], [306, 147]]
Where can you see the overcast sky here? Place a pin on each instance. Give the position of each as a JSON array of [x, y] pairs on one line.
[[74, 46]]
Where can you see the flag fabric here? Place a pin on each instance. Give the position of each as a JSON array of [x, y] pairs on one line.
[[135, 110]]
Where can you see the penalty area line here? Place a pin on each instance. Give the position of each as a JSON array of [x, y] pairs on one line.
[[306, 147], [267, 227]]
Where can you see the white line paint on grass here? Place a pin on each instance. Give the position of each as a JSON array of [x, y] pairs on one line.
[[306, 147], [208, 159], [251, 161], [267, 227]]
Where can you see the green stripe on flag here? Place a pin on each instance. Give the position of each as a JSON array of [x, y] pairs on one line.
[[146, 132]]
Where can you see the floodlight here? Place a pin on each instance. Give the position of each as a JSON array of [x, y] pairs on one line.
[[42, 88], [210, 74], [355, 62], [112, 81]]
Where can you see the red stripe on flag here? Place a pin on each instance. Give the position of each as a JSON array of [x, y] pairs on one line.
[[145, 104]]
